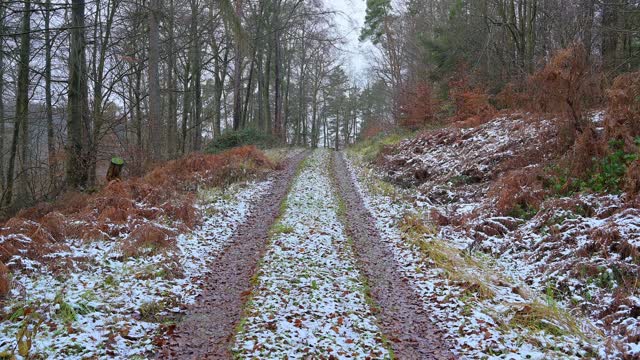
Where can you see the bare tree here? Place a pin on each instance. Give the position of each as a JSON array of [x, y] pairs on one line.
[[155, 129]]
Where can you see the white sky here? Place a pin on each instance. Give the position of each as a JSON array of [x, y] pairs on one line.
[[350, 20]]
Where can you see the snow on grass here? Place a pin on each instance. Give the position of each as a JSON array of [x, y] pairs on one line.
[[104, 305], [486, 312], [583, 248], [309, 299]]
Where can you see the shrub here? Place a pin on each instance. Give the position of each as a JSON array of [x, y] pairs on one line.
[[512, 97], [622, 121], [418, 107], [231, 139], [147, 239], [609, 171], [471, 102], [567, 84], [519, 193], [183, 211], [115, 210], [371, 130], [632, 179], [612, 169]]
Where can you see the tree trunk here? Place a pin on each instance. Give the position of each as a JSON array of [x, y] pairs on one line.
[[76, 164], [2, 119], [589, 15], [186, 106], [197, 77], [138, 99], [51, 147], [247, 99], [237, 81], [278, 129], [22, 97], [314, 105], [172, 87], [337, 141], [155, 129], [609, 35], [220, 75], [22, 108], [115, 168], [301, 135], [287, 89]]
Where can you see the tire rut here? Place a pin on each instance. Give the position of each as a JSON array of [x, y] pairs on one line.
[[207, 330], [402, 317]]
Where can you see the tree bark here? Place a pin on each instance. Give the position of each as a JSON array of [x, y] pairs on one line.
[[301, 130], [76, 163], [22, 98], [278, 129], [197, 77], [155, 129], [220, 76], [609, 35], [2, 118], [51, 146], [22, 107], [186, 106], [172, 87], [237, 81]]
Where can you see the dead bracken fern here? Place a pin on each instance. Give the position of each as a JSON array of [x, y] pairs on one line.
[[472, 106], [148, 239], [166, 193], [4, 280]]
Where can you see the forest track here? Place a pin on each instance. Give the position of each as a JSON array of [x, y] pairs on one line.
[[401, 314], [207, 329], [271, 296], [309, 300]]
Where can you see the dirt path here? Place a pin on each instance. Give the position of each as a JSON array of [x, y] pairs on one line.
[[207, 329], [401, 313], [309, 300], [309, 297]]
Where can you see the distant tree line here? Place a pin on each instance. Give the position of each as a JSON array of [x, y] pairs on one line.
[[487, 44], [150, 80]]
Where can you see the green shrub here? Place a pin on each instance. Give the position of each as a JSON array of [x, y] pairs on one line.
[[612, 169], [523, 211], [231, 139], [606, 177]]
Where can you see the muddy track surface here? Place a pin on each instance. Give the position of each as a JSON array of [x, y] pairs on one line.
[[401, 314], [207, 330]]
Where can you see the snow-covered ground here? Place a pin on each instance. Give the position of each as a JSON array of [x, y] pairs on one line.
[[582, 250], [105, 305], [486, 311], [309, 298]]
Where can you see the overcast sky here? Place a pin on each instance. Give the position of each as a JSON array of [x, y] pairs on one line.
[[350, 20]]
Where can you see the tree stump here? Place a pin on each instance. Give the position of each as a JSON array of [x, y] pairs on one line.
[[115, 167]]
